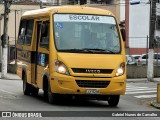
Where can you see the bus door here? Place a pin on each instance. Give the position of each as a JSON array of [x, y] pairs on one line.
[[41, 50]]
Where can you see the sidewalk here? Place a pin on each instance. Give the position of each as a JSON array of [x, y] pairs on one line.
[[155, 104], [10, 76]]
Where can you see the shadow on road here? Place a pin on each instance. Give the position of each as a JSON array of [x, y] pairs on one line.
[[73, 102]]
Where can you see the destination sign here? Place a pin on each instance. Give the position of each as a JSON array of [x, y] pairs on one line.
[[84, 18]]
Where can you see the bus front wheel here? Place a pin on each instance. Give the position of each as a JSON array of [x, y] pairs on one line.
[[113, 100], [50, 96]]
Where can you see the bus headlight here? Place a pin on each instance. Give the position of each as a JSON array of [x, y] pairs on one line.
[[60, 67], [121, 69]]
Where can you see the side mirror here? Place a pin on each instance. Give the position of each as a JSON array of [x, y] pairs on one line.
[[123, 33]]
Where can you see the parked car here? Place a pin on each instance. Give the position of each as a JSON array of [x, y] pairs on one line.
[[143, 59], [136, 57], [130, 60]]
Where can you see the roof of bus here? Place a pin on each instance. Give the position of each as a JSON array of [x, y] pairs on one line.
[[67, 9]]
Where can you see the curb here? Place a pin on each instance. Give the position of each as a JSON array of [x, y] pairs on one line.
[[155, 104]]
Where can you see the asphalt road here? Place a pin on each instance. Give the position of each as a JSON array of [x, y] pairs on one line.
[[137, 98]]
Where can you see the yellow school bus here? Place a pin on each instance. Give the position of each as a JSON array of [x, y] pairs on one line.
[[71, 51]]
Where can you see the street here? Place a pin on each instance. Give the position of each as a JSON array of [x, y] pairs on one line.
[[137, 98]]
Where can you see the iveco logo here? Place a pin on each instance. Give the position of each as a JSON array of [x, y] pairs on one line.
[[92, 71]]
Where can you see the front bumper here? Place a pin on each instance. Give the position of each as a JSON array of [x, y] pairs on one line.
[[63, 84]]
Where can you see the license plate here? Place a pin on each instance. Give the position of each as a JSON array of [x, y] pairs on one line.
[[93, 91]]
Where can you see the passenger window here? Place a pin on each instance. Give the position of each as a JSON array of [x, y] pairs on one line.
[[29, 30], [25, 32], [44, 41], [22, 30]]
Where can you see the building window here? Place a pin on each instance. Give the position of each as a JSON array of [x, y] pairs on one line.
[[158, 1], [158, 23]]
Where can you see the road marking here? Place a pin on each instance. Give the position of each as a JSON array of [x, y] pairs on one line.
[[136, 92], [139, 89], [7, 92], [146, 96], [135, 87], [143, 91]]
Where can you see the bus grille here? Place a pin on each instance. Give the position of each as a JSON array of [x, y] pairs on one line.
[[92, 84], [86, 70]]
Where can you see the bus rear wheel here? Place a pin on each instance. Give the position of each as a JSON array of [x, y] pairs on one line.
[[113, 100], [34, 91], [26, 86]]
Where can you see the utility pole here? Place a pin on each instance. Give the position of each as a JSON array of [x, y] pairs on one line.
[[150, 69], [127, 5], [5, 38], [1, 16]]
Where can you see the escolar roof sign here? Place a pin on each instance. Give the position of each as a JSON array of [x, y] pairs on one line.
[[83, 18]]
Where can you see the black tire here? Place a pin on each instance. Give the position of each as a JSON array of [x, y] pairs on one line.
[[51, 96], [48, 95], [26, 86], [34, 91], [113, 100]]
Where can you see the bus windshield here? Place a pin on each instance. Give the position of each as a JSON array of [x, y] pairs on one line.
[[86, 33]]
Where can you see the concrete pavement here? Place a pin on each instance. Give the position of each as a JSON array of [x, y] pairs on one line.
[[10, 76], [153, 102]]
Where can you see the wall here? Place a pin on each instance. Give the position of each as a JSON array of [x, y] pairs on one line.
[[134, 71], [11, 23], [11, 68], [115, 9]]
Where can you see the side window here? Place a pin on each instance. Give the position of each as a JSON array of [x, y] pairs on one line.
[[158, 56], [22, 30], [44, 41], [29, 30], [158, 22], [145, 57], [25, 32], [155, 56]]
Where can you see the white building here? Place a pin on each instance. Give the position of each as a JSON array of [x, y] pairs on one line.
[[139, 20], [139, 15]]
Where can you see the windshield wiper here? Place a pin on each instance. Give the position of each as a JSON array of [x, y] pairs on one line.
[[99, 50], [90, 50], [75, 50]]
